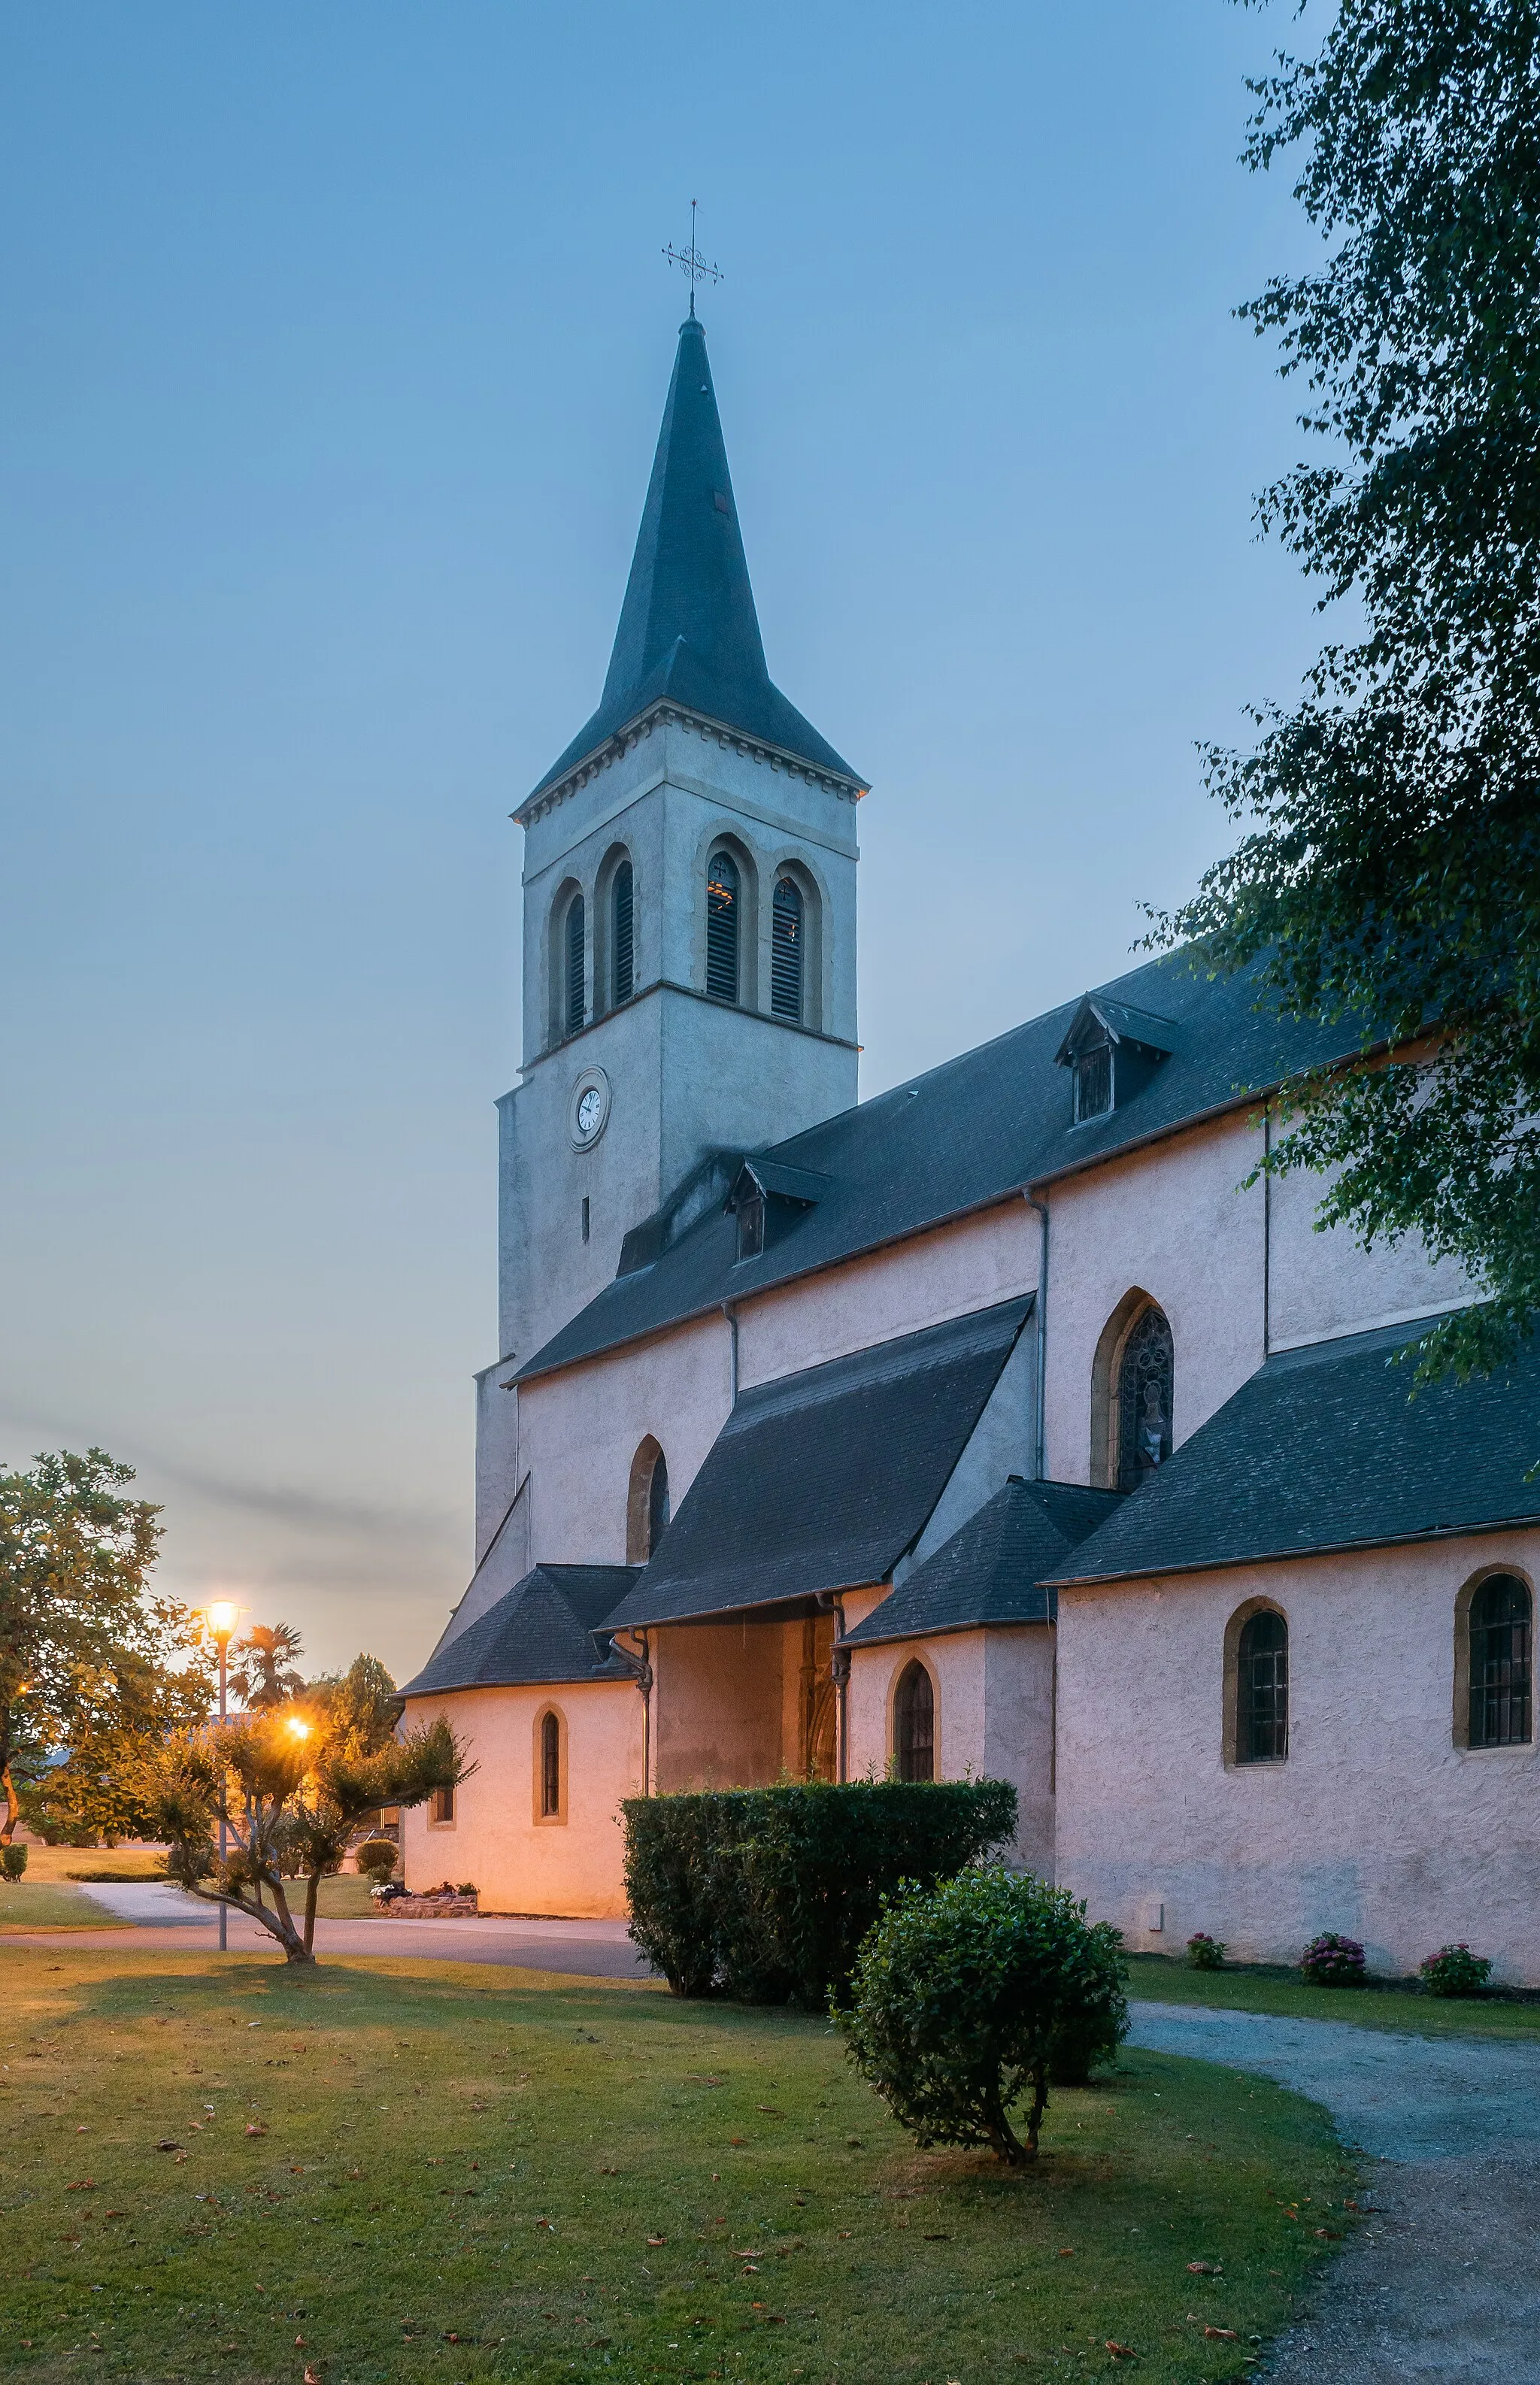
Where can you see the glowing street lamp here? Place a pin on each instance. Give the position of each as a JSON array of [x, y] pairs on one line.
[[298, 1726]]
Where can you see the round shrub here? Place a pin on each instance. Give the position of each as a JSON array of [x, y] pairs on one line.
[[13, 1862], [377, 1857], [1205, 1953], [1455, 1971], [962, 1995], [1330, 1961]]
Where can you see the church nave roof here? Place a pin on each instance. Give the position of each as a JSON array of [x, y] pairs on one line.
[[542, 1630]]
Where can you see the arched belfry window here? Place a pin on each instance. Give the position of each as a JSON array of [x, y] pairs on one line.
[[1144, 1388], [914, 1724], [1501, 1624], [550, 1767], [724, 904], [787, 943], [647, 1503], [622, 942], [1263, 1688], [574, 958]]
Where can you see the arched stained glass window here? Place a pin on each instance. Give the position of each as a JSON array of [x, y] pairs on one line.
[[550, 1766], [576, 954], [1262, 1689], [657, 1504], [621, 961], [1144, 1376], [914, 1733], [787, 945], [724, 909], [1501, 1662]]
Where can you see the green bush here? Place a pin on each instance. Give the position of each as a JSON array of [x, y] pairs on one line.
[[377, 1858], [13, 1862], [962, 1995], [1455, 1971], [1205, 1953], [765, 1894], [1333, 1961]]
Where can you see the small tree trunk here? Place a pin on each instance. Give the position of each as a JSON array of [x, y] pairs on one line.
[[312, 1889], [12, 1806]]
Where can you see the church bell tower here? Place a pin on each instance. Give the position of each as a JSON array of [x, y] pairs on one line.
[[689, 913]]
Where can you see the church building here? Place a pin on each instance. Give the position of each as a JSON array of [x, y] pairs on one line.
[[1004, 1424]]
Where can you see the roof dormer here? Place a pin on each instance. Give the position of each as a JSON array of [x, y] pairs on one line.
[[768, 1199], [1112, 1052]]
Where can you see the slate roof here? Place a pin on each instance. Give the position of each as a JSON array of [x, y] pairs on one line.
[[822, 1481], [1322, 1450], [994, 1567], [539, 1631], [688, 631], [974, 1131]]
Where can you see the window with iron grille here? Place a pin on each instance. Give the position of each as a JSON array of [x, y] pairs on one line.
[[1262, 1689], [550, 1766], [1501, 1662], [657, 1504], [722, 907], [1144, 1387], [914, 1736], [576, 951], [621, 945], [751, 1224], [1093, 1081], [787, 949]]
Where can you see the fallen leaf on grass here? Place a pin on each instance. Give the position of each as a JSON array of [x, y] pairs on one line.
[[1066, 2252], [935, 2236], [169, 2144], [1204, 2269], [1121, 2351], [79, 2185], [312, 2375], [1221, 2335], [1330, 2234], [255, 2128], [769, 2111], [657, 2240]]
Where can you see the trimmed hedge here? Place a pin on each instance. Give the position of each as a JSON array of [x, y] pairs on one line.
[[765, 1894]]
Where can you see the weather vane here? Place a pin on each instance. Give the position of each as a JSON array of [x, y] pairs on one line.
[[691, 263]]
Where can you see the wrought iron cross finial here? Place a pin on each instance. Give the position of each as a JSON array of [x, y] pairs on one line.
[[691, 262]]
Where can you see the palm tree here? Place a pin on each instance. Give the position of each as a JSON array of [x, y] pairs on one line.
[[262, 1673]]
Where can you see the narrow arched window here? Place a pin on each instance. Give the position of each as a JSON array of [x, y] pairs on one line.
[[1263, 1688], [914, 1724], [1501, 1662], [723, 908], [1144, 1385], [622, 962], [550, 1767], [576, 954], [657, 1504], [786, 943]]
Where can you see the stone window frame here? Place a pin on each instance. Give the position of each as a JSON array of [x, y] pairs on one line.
[[1107, 1367], [648, 1456], [602, 930], [1461, 1719], [1261, 1604], [570, 890], [548, 1711], [910, 1654], [724, 837]]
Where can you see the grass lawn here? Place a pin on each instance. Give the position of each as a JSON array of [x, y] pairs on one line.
[[50, 1905], [1274, 1988], [96, 1863], [544, 2178]]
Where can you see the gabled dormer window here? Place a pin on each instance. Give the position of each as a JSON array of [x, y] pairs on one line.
[[751, 1224], [768, 1199], [1111, 1051]]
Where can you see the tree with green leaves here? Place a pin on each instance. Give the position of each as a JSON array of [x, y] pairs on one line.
[[361, 1705], [1389, 875], [263, 1667], [292, 1793], [94, 1659]]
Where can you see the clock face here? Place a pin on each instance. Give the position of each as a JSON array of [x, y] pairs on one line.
[[590, 1113]]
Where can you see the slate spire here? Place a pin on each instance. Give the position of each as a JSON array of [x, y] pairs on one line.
[[689, 631]]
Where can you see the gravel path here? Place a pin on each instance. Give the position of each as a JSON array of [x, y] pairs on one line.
[[1443, 2282]]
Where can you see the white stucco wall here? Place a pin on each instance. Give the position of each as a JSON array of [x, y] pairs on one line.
[[1377, 1824], [1323, 1284], [994, 1716], [519, 1863]]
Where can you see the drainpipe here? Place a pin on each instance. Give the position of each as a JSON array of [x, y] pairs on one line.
[[840, 1668], [1267, 1231], [1040, 1307], [730, 1312]]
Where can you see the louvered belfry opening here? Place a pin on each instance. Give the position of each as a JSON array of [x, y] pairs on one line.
[[1262, 1689], [550, 1765], [724, 905], [621, 964], [787, 942], [1501, 1662], [914, 1737], [576, 944], [1144, 1389]]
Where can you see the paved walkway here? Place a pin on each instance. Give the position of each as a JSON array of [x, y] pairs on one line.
[[1443, 2282]]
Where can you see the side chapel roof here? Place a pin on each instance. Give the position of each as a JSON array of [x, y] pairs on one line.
[[539, 1631], [994, 1568], [1324, 1450], [689, 633], [820, 1480]]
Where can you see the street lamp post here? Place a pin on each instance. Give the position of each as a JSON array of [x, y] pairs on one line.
[[222, 1622]]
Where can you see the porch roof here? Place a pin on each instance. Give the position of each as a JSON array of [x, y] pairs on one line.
[[822, 1481], [542, 1630], [994, 1568]]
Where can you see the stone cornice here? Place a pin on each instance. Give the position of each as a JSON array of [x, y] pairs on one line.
[[667, 714]]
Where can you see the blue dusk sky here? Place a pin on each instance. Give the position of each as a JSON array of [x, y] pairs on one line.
[[335, 344]]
